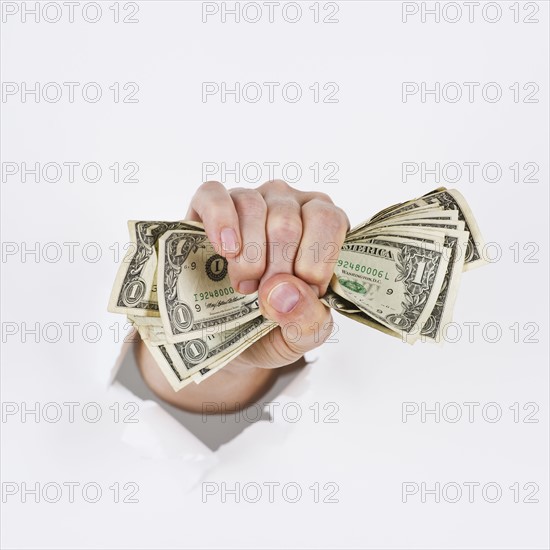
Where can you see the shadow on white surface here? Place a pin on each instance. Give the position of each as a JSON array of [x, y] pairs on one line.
[[213, 430]]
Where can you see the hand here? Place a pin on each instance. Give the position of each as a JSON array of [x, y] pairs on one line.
[[284, 243]]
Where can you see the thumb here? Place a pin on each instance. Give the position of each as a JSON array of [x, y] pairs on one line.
[[305, 322]]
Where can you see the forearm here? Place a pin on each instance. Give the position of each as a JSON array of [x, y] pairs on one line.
[[230, 389]]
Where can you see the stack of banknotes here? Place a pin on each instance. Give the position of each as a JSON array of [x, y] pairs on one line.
[[398, 272]]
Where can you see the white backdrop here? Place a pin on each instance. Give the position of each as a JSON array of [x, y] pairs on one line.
[[366, 132]]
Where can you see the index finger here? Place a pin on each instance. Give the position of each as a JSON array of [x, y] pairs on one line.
[[213, 205]]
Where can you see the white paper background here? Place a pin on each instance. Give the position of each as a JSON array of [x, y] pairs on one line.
[[369, 133]]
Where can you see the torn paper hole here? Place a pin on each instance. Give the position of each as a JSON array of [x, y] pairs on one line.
[[211, 431]]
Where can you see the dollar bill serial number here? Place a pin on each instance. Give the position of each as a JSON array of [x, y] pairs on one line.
[[218, 293], [378, 273]]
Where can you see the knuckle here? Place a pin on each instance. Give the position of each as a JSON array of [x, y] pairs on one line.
[[277, 185], [344, 220], [333, 218], [296, 324], [320, 196], [198, 202], [285, 352], [286, 228], [210, 185], [235, 191], [250, 203]]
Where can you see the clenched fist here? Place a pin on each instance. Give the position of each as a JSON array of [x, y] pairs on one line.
[[284, 243]]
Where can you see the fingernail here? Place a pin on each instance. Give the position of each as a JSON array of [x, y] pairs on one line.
[[248, 287], [229, 240], [283, 297]]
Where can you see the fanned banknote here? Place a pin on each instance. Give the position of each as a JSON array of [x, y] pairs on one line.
[[398, 273], [195, 293], [135, 289]]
